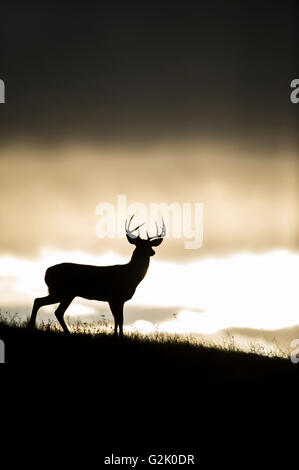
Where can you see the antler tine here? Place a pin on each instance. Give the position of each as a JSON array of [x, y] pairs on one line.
[[127, 225], [157, 229], [129, 231], [163, 229], [159, 235], [163, 233]]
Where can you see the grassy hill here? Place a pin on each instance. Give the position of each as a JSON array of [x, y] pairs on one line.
[[163, 362], [140, 395]]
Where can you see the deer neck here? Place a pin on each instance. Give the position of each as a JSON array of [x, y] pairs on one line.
[[139, 265]]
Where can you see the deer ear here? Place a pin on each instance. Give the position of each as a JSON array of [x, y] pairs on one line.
[[156, 242], [133, 241]]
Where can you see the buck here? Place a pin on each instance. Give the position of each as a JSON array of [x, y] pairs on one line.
[[113, 284]]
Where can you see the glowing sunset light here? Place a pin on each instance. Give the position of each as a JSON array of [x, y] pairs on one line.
[[244, 290]]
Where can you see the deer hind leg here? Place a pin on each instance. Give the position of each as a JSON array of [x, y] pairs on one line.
[[117, 311], [121, 320], [37, 304], [60, 312]]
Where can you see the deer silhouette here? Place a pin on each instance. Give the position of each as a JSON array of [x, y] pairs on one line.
[[113, 284]]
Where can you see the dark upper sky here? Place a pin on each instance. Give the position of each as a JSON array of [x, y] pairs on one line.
[[139, 71]]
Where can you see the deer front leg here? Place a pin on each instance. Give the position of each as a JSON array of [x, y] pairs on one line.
[[117, 312]]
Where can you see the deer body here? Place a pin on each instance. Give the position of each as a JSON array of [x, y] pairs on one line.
[[96, 282], [113, 284]]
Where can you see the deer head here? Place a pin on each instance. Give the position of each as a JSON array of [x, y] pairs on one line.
[[145, 246]]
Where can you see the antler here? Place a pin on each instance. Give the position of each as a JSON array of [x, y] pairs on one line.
[[158, 235], [129, 232]]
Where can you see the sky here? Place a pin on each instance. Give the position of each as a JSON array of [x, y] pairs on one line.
[[174, 102]]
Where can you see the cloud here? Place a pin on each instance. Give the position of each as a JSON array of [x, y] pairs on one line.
[[48, 197]]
